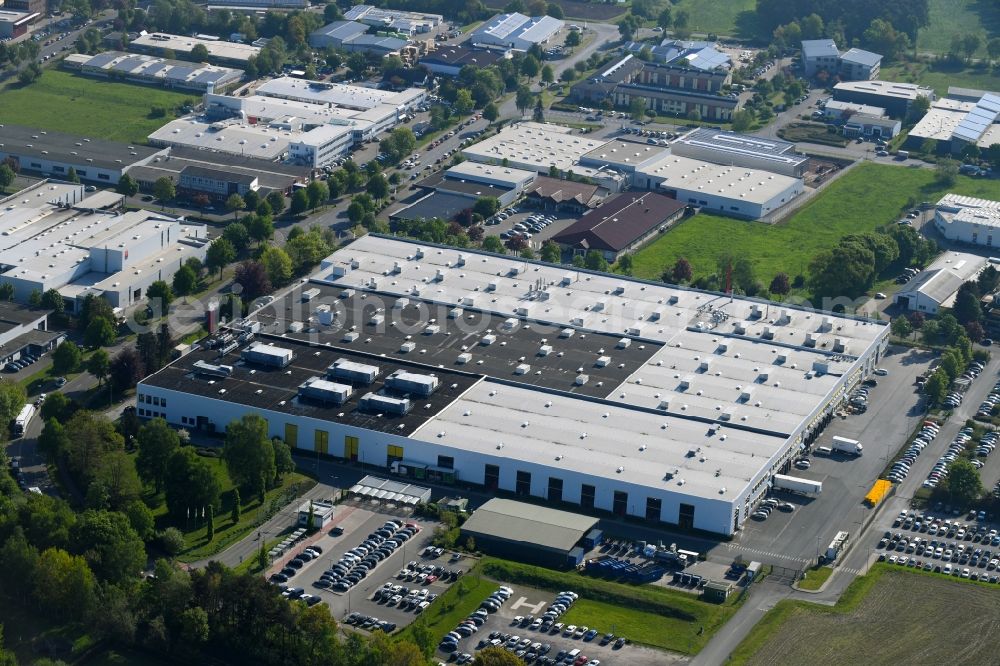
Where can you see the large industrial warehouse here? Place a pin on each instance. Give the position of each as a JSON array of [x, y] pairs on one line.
[[593, 390]]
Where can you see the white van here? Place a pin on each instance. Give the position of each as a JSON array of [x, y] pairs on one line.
[[823, 450]]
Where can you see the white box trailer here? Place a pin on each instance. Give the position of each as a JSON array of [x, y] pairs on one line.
[[797, 484], [849, 446]]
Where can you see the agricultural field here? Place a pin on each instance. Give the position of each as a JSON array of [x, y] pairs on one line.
[[576, 9], [90, 107], [720, 18], [957, 17], [890, 616], [868, 197]]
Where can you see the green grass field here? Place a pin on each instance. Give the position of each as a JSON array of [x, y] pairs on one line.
[[815, 578], [89, 107], [957, 17], [196, 546], [713, 15], [940, 77], [868, 197]]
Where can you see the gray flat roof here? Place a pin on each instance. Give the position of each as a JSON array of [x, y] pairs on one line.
[[732, 143], [529, 524], [439, 204], [819, 48], [57, 146], [861, 57]]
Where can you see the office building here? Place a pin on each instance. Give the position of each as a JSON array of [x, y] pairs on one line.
[[743, 150], [936, 286], [968, 220], [895, 98], [820, 55], [15, 24]]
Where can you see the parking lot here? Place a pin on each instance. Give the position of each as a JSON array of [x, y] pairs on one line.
[[562, 221], [795, 538], [357, 523], [526, 605], [967, 548]]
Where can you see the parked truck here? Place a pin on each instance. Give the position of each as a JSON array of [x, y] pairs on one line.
[[797, 484], [849, 446], [836, 546]]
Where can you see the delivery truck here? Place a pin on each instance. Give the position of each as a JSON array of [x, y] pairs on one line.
[[797, 484], [851, 447]]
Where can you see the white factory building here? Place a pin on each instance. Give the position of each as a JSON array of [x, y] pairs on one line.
[[610, 394], [396, 20], [956, 122], [726, 190], [968, 220], [935, 287], [515, 31], [148, 69], [742, 150], [219, 50], [55, 238]]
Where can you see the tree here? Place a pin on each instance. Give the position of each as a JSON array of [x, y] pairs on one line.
[[681, 272], [185, 281], [967, 307], [253, 278], [64, 584], [963, 483], [199, 53], [249, 454], [993, 48], [6, 292], [901, 327], [126, 369], [66, 358], [625, 264], [595, 261], [100, 332], [300, 202], [463, 102], [190, 485], [277, 201], [308, 249], [54, 440], [7, 176], [109, 544], [98, 365], [628, 26], [530, 66], [491, 113], [496, 656], [220, 254], [929, 147], [160, 294], [378, 187], [261, 227], [551, 252], [493, 244], [318, 193], [936, 386], [523, 99], [539, 114], [548, 76], [971, 42], [278, 266], [171, 540], [157, 443], [53, 300], [780, 285], [236, 506], [742, 120], [210, 523], [637, 108], [234, 204], [486, 206], [164, 190], [140, 517], [59, 407], [237, 234], [118, 479]]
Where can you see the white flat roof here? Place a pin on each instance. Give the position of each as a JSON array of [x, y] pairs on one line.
[[535, 144], [598, 439], [909, 91], [955, 208], [474, 170], [338, 94], [744, 184], [181, 44], [227, 137]]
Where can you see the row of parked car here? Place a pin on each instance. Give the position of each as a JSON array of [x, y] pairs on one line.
[[369, 622], [985, 410], [425, 574], [404, 598], [951, 529], [901, 468], [357, 563], [21, 363], [308, 554], [955, 449], [770, 504], [475, 620]]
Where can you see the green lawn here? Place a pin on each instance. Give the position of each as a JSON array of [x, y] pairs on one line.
[[868, 197], [253, 513], [957, 17], [461, 599], [89, 107], [815, 578], [715, 16], [939, 77]]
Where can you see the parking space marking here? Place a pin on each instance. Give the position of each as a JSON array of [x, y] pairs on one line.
[[523, 601]]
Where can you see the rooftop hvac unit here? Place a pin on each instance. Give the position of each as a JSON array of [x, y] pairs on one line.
[[765, 373], [767, 333], [746, 394], [376, 319], [784, 317], [515, 270], [228, 347], [440, 274], [463, 358], [411, 382], [826, 324], [576, 321], [685, 382], [545, 350], [655, 315], [316, 388], [705, 365], [781, 358], [351, 336], [567, 279], [340, 270], [431, 329], [310, 294], [510, 324], [419, 254], [251, 327], [673, 299], [351, 371], [581, 380], [407, 347], [522, 369], [488, 339], [599, 305], [454, 313], [296, 327], [664, 404], [492, 285], [722, 348], [810, 340], [372, 402], [347, 293], [602, 361], [522, 310], [401, 303], [821, 367], [270, 355], [619, 289], [727, 414], [461, 260], [324, 315], [756, 311], [739, 327], [212, 370], [635, 330], [624, 343], [839, 345], [566, 333], [469, 300], [397, 267]]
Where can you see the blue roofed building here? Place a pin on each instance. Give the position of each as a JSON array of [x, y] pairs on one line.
[[860, 65], [699, 55]]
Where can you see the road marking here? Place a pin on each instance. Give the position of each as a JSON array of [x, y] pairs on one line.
[[758, 551], [523, 601]]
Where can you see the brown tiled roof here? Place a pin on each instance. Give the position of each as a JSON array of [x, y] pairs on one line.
[[563, 190], [620, 221]]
